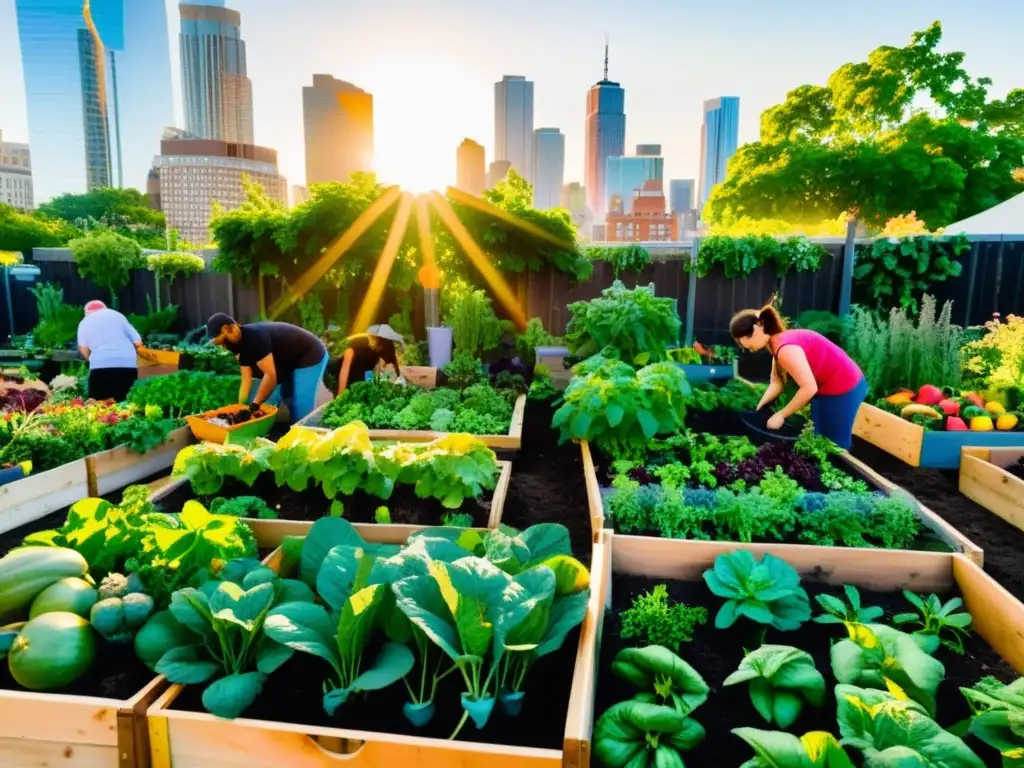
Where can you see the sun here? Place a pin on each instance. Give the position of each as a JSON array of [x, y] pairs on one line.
[[423, 108]]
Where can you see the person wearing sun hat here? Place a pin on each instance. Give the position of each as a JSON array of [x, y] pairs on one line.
[[286, 361], [366, 350], [111, 346]]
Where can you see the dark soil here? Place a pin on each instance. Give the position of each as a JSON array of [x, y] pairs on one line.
[[293, 695], [115, 674], [547, 482], [715, 654], [938, 490], [1017, 470], [311, 504]]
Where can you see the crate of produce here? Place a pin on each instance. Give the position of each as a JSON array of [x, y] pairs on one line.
[[232, 423]]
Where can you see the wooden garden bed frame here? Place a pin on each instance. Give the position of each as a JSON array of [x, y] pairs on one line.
[[920, 447], [51, 729], [270, 533], [36, 496], [984, 479], [946, 532], [181, 739]]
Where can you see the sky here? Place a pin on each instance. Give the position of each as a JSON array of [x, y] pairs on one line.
[[432, 64]]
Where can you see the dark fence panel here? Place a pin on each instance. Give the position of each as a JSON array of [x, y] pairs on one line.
[[992, 281]]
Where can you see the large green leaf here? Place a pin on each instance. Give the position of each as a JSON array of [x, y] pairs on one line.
[[775, 749], [304, 627], [522, 628], [420, 599], [566, 614], [325, 534], [357, 621], [546, 539], [392, 664], [338, 573], [231, 695], [192, 610], [246, 608], [187, 665]]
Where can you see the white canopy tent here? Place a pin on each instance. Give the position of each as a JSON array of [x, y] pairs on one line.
[[1007, 218]]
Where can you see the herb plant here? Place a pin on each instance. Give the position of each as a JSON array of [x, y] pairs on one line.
[[653, 620], [938, 621], [781, 679], [766, 592], [838, 611]]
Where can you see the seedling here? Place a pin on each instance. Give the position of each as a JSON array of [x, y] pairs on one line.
[[934, 617], [838, 611]]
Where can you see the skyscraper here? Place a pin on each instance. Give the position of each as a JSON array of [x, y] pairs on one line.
[[513, 123], [471, 167], [680, 195], [548, 168], [215, 87], [605, 137], [626, 175], [648, 150], [16, 175], [98, 90], [719, 136], [497, 171], [338, 119]]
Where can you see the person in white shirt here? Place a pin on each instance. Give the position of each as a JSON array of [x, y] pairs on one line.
[[109, 342]]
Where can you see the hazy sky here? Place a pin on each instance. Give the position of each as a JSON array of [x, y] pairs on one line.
[[431, 65]]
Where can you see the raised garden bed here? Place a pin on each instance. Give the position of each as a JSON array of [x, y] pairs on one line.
[[36, 496], [634, 564], [994, 478], [286, 725], [920, 447]]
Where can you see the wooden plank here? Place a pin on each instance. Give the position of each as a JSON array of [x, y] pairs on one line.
[[946, 532], [27, 753], [500, 492], [998, 616], [595, 505], [894, 435], [881, 569], [120, 467], [421, 376], [36, 496], [993, 488]]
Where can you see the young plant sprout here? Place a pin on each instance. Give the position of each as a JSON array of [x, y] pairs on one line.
[[938, 622], [838, 611]]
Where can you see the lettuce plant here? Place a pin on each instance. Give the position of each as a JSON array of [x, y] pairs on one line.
[[653, 620], [207, 465], [454, 468], [766, 592], [998, 716], [935, 618], [661, 676], [781, 678], [775, 749], [836, 611], [637, 734], [877, 656], [891, 731], [227, 617]]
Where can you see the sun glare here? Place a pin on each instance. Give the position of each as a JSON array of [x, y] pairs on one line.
[[423, 109]]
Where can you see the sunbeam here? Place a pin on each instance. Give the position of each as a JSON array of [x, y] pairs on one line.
[[379, 281]]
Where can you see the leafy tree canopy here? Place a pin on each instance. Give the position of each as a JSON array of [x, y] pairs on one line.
[[907, 129], [107, 259], [23, 231], [125, 211]]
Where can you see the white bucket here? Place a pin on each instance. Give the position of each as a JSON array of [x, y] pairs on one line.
[[439, 345]]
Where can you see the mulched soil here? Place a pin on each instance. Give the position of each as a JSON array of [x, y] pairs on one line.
[[715, 654], [937, 489]]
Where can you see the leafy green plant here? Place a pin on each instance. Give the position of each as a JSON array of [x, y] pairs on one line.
[[107, 259], [456, 520], [828, 324], [997, 712], [185, 392], [208, 465], [468, 312], [311, 313], [173, 265], [838, 611], [636, 323], [652, 620], [639, 733], [228, 618], [382, 516], [781, 679], [877, 656], [533, 336], [663, 676], [775, 749], [766, 592], [893, 731], [938, 621], [464, 370], [623, 258], [896, 272], [243, 506], [740, 256]]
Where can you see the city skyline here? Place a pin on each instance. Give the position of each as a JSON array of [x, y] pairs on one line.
[[454, 84]]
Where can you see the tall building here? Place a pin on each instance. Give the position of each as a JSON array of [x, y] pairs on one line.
[[548, 168], [338, 119], [680, 195], [471, 167], [497, 171], [719, 136], [574, 200], [16, 175], [215, 87], [193, 173], [648, 150], [300, 194], [648, 220], [98, 90], [513, 123], [626, 175], [605, 137]]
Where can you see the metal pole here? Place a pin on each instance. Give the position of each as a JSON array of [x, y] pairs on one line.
[[691, 292], [10, 305], [849, 260]]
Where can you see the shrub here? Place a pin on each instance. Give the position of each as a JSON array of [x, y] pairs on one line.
[[107, 259]]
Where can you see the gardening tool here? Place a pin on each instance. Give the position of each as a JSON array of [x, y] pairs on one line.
[[756, 424]]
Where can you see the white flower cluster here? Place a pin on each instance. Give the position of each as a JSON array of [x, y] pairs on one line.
[[62, 382]]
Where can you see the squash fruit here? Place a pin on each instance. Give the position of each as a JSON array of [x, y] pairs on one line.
[[52, 651], [24, 573], [71, 594], [159, 635]]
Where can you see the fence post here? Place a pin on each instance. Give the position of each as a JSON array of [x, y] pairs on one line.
[[849, 257], [691, 292], [972, 273]]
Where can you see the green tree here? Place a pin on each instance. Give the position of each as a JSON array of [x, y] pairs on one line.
[[107, 259], [22, 231], [172, 265], [125, 211], [906, 130]]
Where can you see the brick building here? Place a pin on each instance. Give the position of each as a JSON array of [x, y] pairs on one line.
[[648, 219]]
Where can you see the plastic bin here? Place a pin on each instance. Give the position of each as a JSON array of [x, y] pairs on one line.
[[249, 430]]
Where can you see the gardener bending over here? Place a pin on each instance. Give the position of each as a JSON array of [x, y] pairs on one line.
[[111, 346], [288, 362], [827, 377], [367, 350]]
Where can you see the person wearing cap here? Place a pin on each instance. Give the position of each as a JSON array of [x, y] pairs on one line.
[[366, 350], [111, 346], [288, 361]]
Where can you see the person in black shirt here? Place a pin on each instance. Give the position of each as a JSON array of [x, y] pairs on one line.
[[290, 361], [365, 350]]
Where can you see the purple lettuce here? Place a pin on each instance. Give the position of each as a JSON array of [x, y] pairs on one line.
[[769, 456]]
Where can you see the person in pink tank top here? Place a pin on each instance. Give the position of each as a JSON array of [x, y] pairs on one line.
[[827, 377]]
